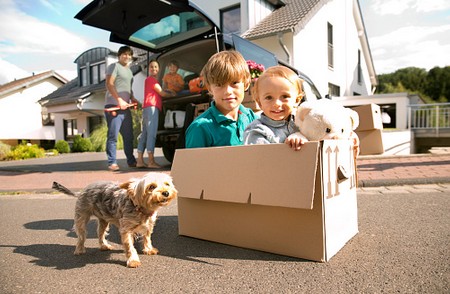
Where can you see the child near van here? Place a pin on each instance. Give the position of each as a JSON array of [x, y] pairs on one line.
[[226, 76], [172, 81], [277, 92]]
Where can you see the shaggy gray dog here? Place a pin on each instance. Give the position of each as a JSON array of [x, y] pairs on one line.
[[131, 206]]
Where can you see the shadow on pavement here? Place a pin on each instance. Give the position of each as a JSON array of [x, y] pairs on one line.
[[165, 238]]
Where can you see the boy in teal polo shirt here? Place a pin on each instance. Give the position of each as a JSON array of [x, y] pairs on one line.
[[226, 76]]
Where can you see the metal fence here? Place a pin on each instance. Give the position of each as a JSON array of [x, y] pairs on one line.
[[429, 116]]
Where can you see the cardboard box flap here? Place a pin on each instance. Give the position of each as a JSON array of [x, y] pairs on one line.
[[242, 174]]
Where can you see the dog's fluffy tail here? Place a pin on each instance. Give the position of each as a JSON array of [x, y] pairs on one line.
[[61, 188]]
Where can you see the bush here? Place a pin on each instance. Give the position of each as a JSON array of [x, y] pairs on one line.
[[25, 151], [62, 146], [81, 144], [4, 150], [98, 139]]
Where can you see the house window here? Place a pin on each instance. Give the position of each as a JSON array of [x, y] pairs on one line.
[[94, 75], [97, 73], [95, 122], [83, 77], [333, 90], [330, 46], [70, 129], [359, 67], [48, 119], [230, 20]]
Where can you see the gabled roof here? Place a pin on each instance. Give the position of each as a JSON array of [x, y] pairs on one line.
[[29, 81], [291, 17], [70, 92]]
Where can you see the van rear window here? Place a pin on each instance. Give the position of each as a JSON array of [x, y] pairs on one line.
[[170, 30]]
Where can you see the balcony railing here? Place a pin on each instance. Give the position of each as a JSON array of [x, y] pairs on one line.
[[433, 117]]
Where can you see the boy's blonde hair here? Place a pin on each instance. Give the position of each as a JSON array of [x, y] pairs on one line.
[[283, 72], [226, 67]]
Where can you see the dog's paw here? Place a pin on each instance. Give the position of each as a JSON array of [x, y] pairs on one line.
[[133, 263], [106, 247], [152, 251], [79, 251]]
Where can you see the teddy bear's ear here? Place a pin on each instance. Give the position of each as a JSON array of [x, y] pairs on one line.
[[303, 110], [354, 117]]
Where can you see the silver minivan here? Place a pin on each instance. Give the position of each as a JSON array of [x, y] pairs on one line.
[[175, 30]]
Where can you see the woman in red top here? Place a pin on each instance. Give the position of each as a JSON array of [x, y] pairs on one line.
[[151, 107]]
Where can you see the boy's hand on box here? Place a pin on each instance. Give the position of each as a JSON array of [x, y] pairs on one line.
[[296, 141]]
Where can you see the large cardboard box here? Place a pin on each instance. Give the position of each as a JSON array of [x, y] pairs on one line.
[[369, 117], [269, 197], [371, 142]]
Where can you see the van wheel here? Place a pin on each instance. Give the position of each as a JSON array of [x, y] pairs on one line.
[[169, 151]]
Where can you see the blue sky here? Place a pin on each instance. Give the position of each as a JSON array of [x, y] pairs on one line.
[[40, 35]]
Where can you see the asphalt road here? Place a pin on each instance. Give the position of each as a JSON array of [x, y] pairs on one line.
[[402, 246]]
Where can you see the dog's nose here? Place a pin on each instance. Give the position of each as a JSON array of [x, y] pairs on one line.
[[165, 194]]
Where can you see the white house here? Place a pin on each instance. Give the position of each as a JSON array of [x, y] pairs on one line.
[[326, 39], [21, 116]]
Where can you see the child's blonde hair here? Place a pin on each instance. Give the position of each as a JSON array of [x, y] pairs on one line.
[[283, 72], [226, 67]]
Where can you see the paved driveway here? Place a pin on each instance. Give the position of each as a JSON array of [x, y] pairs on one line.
[[402, 247]]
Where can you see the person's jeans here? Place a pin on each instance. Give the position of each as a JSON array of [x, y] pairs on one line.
[[150, 119], [123, 123]]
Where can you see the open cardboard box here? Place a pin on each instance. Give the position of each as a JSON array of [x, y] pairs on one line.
[[269, 197], [371, 142], [369, 117]]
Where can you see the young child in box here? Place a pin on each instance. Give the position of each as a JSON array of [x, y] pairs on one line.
[[277, 91], [172, 81], [226, 76]]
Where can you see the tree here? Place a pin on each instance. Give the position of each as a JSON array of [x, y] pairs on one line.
[[437, 84], [433, 84]]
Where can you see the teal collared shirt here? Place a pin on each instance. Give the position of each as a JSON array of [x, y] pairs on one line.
[[213, 129]]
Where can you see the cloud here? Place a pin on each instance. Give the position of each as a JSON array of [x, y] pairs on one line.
[[398, 7], [22, 33], [9, 72], [395, 7], [51, 6], [408, 35], [435, 5], [418, 46]]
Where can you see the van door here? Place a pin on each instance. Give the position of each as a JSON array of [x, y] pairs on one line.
[[152, 25]]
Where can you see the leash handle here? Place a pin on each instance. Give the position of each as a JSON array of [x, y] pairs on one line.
[[116, 108]]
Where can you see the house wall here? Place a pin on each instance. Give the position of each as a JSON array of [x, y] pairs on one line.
[[20, 113], [138, 85], [312, 57], [82, 124]]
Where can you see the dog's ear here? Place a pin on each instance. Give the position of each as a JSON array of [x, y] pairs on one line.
[[139, 189], [130, 187]]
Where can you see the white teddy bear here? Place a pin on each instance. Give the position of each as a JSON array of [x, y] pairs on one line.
[[325, 119]]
